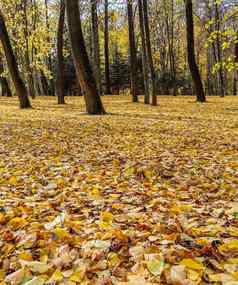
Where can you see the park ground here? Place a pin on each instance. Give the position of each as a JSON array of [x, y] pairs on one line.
[[143, 195]]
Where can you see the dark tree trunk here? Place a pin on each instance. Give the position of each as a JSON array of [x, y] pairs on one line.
[[210, 87], [6, 91], [96, 47], [60, 81], [149, 52], [44, 84], [191, 53], [133, 55], [51, 90], [144, 53], [81, 60], [106, 52], [20, 87], [30, 80], [235, 80], [219, 51]]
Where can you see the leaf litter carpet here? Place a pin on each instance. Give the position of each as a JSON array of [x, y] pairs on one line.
[[144, 195]]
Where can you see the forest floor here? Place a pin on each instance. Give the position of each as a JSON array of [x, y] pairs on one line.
[[144, 195]]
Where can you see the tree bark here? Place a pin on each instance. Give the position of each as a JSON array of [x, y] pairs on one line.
[[20, 87], [30, 80], [149, 53], [191, 53], [51, 84], [144, 53], [96, 46], [106, 51], [133, 55], [60, 81], [219, 51], [6, 91], [210, 87], [235, 80], [81, 61]]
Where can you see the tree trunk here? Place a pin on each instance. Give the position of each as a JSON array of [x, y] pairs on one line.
[[235, 80], [106, 52], [30, 80], [81, 60], [44, 84], [219, 51], [191, 53], [60, 81], [49, 59], [6, 91], [210, 88], [20, 87], [96, 46], [144, 53], [149, 53], [133, 55]]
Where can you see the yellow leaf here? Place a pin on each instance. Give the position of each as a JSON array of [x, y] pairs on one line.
[[25, 256], [35, 266], [193, 275], [60, 182], [113, 259], [185, 208], [13, 180], [175, 209], [2, 274], [192, 264], [56, 276], [77, 276], [130, 171], [232, 245], [233, 260], [117, 206], [95, 193], [221, 277], [61, 233], [2, 219], [233, 231], [104, 226], [107, 217], [76, 226], [17, 222]]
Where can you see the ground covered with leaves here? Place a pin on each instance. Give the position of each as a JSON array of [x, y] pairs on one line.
[[144, 195]]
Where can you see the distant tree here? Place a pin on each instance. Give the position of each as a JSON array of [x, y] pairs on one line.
[[96, 47], [60, 80], [106, 50], [235, 80], [133, 55], [191, 53], [120, 73], [29, 75], [149, 52], [5, 89], [20, 87], [51, 89], [81, 61], [218, 47], [144, 53]]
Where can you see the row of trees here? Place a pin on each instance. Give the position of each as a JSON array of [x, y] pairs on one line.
[[37, 48]]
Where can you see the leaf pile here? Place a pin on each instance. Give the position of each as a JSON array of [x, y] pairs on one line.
[[141, 196]]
